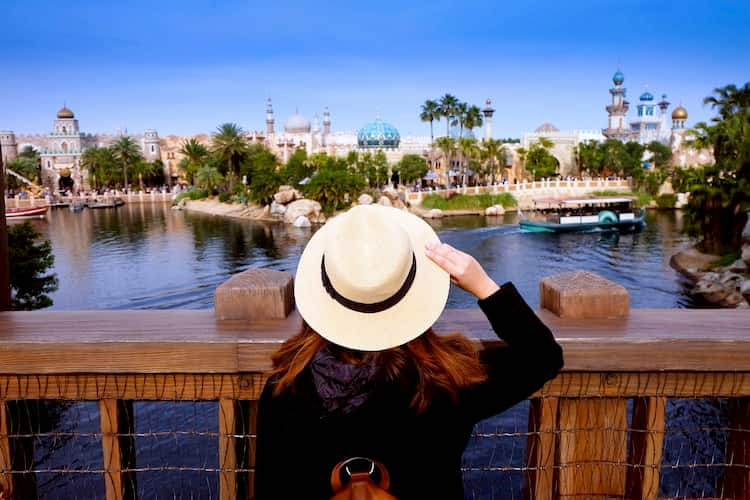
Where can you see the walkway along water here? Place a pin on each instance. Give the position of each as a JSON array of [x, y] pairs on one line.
[[597, 430]]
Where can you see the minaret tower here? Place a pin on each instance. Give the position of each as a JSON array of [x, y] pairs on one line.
[[151, 145], [488, 111], [664, 128], [8, 146], [326, 125], [269, 117], [617, 127]]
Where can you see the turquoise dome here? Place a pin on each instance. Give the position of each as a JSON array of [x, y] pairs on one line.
[[647, 96], [618, 77], [378, 134]]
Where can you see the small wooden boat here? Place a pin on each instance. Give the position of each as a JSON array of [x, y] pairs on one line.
[[26, 213], [585, 214]]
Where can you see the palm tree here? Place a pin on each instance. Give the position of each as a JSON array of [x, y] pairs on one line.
[[447, 145], [430, 113], [491, 150], [729, 100], [127, 152], [459, 117], [143, 169], [448, 105], [208, 177], [469, 151], [194, 151], [230, 147], [473, 118]]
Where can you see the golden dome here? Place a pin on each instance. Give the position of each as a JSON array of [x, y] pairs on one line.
[[679, 113], [65, 113]]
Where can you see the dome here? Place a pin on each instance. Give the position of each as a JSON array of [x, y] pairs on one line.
[[297, 124], [65, 113], [679, 113], [546, 128], [378, 134], [618, 77], [647, 96]]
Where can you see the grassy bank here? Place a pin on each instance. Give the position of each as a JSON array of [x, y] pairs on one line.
[[468, 201]]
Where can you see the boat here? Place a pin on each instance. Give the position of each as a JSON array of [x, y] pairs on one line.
[[108, 203], [26, 213], [612, 213]]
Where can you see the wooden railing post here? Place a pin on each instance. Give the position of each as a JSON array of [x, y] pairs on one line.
[[540, 448], [591, 450], [118, 448], [737, 477], [646, 447], [253, 295], [6, 466]]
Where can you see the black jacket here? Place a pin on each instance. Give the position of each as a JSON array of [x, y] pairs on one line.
[[299, 443]]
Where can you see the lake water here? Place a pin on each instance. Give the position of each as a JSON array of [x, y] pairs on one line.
[[153, 257]]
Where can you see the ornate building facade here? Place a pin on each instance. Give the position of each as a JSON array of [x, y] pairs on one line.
[[61, 149]]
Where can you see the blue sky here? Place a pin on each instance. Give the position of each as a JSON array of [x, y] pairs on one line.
[[186, 66]]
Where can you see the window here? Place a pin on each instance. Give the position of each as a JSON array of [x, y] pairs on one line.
[[152, 148]]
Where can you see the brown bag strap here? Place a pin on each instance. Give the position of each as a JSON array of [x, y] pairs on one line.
[[385, 479]]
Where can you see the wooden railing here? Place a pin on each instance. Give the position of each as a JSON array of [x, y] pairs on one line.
[[579, 444]]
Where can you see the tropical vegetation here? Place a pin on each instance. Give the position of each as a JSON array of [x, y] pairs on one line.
[[468, 202], [720, 193], [31, 258]]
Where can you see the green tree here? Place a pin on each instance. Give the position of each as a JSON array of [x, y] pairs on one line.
[[448, 106], [266, 182], [430, 112], [127, 153], [25, 167], [102, 166], [590, 158], [661, 155], [459, 117], [412, 168], [195, 154], [382, 170], [297, 168], [469, 151], [472, 118], [447, 146], [332, 186], [538, 161], [30, 259], [231, 148], [143, 169], [492, 152], [209, 177]]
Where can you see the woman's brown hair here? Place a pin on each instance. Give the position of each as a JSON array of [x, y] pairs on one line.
[[440, 364]]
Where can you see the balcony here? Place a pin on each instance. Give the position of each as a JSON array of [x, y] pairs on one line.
[[596, 431]]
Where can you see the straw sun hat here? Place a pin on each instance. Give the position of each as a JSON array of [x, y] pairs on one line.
[[364, 282]]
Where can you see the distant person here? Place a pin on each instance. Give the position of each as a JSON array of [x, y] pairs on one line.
[[368, 377]]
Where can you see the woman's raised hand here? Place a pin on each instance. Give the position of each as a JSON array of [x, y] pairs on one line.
[[464, 269]]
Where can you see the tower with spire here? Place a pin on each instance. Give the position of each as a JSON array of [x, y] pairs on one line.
[[269, 118], [488, 111], [617, 127]]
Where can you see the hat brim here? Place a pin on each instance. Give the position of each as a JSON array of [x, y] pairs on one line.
[[406, 320]]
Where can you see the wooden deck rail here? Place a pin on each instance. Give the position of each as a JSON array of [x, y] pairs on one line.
[[579, 444]]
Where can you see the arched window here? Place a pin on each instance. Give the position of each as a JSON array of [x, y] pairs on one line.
[[152, 148], [64, 147]]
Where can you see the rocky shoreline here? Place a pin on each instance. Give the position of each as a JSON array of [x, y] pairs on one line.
[[727, 286]]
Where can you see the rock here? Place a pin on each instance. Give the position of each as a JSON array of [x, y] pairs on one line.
[[391, 193], [399, 204], [745, 289], [743, 305], [302, 221], [287, 196], [309, 208], [490, 211], [500, 209], [385, 201], [738, 266], [435, 213], [692, 263], [746, 253], [364, 199], [285, 187], [277, 208], [711, 291], [732, 300]]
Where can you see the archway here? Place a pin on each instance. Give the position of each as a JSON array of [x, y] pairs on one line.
[[65, 182]]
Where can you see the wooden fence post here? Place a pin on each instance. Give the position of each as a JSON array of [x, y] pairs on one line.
[[253, 295], [737, 477], [6, 466], [591, 449]]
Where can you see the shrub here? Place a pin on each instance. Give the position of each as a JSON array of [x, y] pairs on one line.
[[31, 258], [469, 202], [666, 200], [332, 187], [225, 197]]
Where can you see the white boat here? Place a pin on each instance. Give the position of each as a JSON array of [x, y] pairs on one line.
[[26, 213], [615, 213]]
